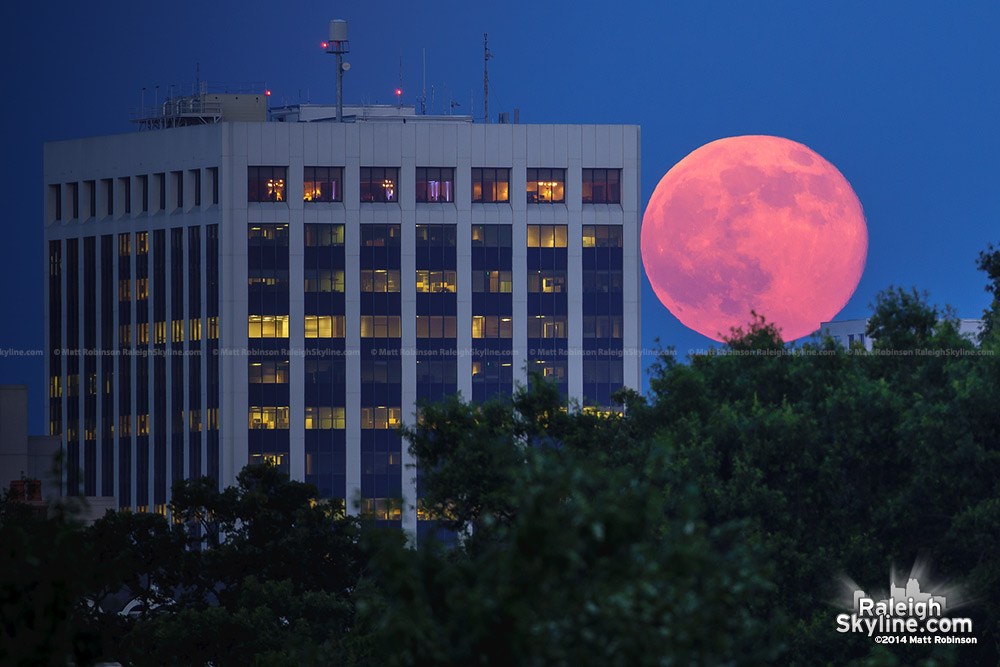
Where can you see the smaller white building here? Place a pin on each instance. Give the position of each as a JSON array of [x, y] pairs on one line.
[[848, 332]]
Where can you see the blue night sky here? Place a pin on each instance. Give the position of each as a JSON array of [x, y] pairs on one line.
[[902, 97]]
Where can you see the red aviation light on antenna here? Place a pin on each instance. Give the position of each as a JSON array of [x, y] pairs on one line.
[[399, 92], [267, 93], [324, 44]]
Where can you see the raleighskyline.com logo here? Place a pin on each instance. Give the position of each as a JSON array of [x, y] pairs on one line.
[[905, 616]]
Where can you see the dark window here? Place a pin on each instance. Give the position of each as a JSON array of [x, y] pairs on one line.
[[178, 180], [435, 184], [161, 185], [436, 236], [490, 185], [491, 236], [215, 184], [546, 186], [144, 185], [379, 236], [602, 186], [74, 191], [266, 183], [92, 197], [55, 196], [196, 175], [323, 184], [108, 186], [317, 236], [379, 184], [125, 185]]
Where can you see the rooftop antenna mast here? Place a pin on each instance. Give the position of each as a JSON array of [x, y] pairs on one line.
[[423, 95], [339, 45], [486, 80]]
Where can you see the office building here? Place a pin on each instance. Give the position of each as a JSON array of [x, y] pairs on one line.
[[234, 284], [848, 332]]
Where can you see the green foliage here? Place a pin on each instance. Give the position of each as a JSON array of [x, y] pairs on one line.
[[989, 263], [600, 556], [42, 609], [703, 525]]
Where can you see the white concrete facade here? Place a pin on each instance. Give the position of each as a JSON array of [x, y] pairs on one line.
[[848, 332], [230, 148]]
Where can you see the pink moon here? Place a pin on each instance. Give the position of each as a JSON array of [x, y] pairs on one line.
[[754, 223]]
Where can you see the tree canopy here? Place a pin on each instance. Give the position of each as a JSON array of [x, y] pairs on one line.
[[705, 523]]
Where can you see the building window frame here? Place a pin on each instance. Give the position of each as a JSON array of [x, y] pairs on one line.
[[602, 186], [379, 185], [435, 185], [490, 185], [267, 184], [546, 185], [322, 184]]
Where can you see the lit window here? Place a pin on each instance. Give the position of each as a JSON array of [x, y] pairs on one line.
[[435, 184], [492, 326], [323, 184], [263, 326], [546, 186], [268, 418], [602, 186], [490, 185], [195, 327], [381, 509], [602, 236], [324, 326], [266, 184], [436, 326], [546, 236], [213, 328], [381, 280], [379, 184], [547, 281], [495, 282], [435, 281], [177, 331], [324, 418], [159, 333], [276, 459], [381, 417], [547, 326], [380, 326], [268, 372]]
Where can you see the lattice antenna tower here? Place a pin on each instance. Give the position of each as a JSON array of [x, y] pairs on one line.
[[487, 56]]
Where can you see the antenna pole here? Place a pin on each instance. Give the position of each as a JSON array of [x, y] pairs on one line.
[[339, 45], [486, 80], [423, 95]]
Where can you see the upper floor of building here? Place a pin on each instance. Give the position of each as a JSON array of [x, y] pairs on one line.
[[438, 165]]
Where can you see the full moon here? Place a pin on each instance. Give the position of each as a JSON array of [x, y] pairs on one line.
[[754, 223]]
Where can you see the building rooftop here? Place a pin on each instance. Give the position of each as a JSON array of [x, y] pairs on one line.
[[391, 113]]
